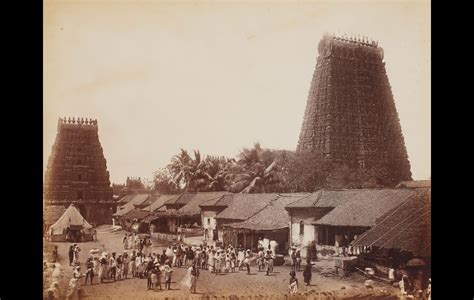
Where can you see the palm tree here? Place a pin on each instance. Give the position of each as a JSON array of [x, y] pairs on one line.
[[254, 170], [186, 171]]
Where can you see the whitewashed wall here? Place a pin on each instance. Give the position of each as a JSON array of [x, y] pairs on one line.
[[212, 224]]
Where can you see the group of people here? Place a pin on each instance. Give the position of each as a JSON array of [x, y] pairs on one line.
[[73, 253], [132, 241], [157, 269]]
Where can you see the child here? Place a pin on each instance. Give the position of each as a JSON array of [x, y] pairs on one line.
[[269, 262], [293, 286]]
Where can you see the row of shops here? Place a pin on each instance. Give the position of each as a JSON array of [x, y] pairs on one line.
[[384, 227]]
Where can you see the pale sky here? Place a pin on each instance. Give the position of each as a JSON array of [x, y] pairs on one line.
[[217, 75]]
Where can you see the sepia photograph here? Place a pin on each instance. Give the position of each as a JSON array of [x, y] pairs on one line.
[[236, 149]]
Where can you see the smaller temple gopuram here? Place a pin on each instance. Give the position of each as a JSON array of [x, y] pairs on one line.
[[77, 171]]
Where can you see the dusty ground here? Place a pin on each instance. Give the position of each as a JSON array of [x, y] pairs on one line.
[[324, 285]]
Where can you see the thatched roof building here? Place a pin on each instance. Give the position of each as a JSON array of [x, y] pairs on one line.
[[406, 227], [360, 207], [271, 217], [192, 207], [137, 199], [240, 207]]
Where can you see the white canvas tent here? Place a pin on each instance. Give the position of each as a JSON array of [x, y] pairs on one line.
[[71, 220]]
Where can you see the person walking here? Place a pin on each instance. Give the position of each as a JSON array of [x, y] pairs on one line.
[[211, 260], [71, 254], [90, 270], [125, 242], [240, 258], [293, 259], [132, 264], [194, 278], [307, 274], [102, 268], [55, 254], [125, 264], [247, 261], [113, 266], [167, 272], [76, 251], [298, 260], [268, 262]]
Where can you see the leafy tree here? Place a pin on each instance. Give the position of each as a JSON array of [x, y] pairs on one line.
[[254, 170], [163, 182]]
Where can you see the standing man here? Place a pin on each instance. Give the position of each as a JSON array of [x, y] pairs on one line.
[[194, 278], [125, 242], [71, 254]]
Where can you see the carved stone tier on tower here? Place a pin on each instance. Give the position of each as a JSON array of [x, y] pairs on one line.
[[350, 114], [77, 171]]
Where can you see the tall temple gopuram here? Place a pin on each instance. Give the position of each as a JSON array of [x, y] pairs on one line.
[[350, 114], [77, 171]]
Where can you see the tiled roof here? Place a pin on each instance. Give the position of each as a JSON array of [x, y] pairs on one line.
[[192, 207], [272, 217], [243, 206], [361, 207], [406, 227]]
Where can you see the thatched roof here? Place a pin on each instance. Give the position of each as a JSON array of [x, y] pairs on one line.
[[406, 227], [136, 200], [125, 199], [159, 202], [222, 202], [324, 199], [52, 213], [415, 184], [152, 198], [272, 217], [243, 206], [361, 207], [136, 214], [182, 199], [195, 199]]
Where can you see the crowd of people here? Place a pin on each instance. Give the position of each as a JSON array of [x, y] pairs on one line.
[[138, 261]]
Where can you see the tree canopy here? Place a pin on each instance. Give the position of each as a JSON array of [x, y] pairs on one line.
[[259, 170]]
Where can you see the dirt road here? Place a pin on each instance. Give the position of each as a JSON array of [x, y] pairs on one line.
[[324, 285]]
